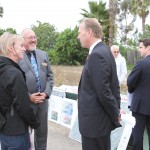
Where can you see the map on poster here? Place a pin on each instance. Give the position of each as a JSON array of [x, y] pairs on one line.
[[58, 92], [55, 104], [62, 110], [68, 112]]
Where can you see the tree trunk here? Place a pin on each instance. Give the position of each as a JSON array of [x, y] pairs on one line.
[[112, 17], [143, 24]]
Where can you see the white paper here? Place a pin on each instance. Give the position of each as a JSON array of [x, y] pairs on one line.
[[128, 119], [125, 137]]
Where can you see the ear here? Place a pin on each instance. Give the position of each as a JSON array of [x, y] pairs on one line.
[[90, 33], [10, 48]]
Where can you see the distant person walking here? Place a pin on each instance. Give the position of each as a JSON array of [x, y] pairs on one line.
[[120, 64], [13, 92], [39, 80], [98, 92]]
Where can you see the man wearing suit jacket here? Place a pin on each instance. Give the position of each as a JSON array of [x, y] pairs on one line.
[[138, 83], [39, 88], [98, 92]]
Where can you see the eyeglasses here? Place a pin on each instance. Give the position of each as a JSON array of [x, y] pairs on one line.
[[116, 52], [31, 37]]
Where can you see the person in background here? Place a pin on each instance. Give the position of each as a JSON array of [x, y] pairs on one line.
[[14, 134], [98, 91], [39, 80], [120, 64], [138, 83]]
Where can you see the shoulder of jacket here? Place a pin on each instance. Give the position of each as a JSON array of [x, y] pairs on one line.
[[41, 51], [13, 70]]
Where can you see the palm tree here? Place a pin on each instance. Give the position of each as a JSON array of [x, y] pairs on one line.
[[112, 20], [141, 8], [125, 21], [99, 11]]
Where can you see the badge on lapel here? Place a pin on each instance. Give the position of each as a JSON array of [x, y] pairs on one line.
[[44, 64]]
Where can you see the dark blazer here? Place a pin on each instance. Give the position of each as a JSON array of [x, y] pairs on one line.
[[138, 83], [98, 94]]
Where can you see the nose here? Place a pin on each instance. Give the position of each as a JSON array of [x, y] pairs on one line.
[[24, 49]]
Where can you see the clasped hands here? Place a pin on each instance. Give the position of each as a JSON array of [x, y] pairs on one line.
[[37, 97]]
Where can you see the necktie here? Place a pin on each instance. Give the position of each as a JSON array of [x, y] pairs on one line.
[[35, 67]]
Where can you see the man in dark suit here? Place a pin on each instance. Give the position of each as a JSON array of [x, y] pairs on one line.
[[39, 83], [98, 92], [138, 83]]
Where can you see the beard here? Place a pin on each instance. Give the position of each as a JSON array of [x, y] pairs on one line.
[[32, 48]]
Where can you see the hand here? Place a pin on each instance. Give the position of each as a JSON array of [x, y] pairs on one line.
[[43, 94], [119, 118], [121, 112], [37, 97]]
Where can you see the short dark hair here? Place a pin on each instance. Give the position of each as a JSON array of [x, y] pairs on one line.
[[146, 42]]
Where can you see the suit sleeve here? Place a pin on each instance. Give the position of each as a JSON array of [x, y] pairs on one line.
[[100, 72], [134, 77], [50, 78]]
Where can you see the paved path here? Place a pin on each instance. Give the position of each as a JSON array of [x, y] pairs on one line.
[[58, 138]]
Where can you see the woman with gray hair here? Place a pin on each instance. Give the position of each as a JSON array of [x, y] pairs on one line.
[[14, 99]]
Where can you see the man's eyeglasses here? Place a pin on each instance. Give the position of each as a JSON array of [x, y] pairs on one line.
[[31, 37], [116, 52]]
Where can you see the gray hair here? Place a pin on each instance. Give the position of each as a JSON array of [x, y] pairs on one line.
[[24, 31], [115, 47], [7, 39]]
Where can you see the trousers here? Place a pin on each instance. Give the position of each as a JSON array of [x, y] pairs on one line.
[[18, 142], [101, 143]]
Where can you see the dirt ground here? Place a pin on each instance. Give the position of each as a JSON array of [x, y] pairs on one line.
[[70, 75], [66, 75]]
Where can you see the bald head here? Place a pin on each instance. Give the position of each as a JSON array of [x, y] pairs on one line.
[[26, 31], [30, 40]]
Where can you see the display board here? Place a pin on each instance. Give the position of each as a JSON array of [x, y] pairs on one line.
[[62, 110]]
